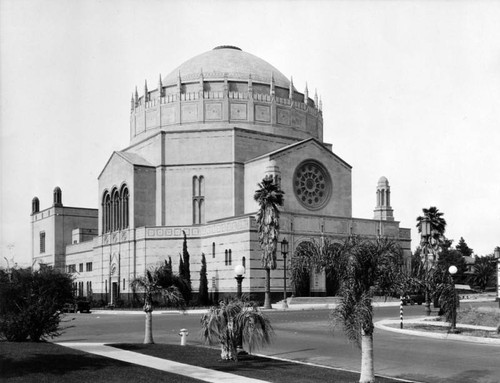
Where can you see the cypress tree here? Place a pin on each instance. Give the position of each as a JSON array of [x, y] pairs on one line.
[[185, 258], [181, 267], [203, 299]]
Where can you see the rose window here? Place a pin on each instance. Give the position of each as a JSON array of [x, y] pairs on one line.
[[311, 184]]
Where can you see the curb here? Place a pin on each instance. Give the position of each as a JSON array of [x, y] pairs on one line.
[[276, 307], [384, 325]]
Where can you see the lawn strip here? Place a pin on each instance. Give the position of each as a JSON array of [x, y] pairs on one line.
[[51, 363], [251, 366]]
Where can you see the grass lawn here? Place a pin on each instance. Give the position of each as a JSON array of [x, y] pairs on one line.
[[250, 366], [48, 362], [51, 363]]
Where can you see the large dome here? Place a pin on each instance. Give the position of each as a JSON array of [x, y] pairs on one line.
[[227, 60]]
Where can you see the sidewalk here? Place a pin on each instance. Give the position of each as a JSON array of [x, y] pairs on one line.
[[294, 304], [194, 372]]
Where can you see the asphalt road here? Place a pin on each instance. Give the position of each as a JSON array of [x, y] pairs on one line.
[[308, 336]]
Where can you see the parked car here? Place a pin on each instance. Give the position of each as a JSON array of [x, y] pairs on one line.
[[83, 306], [77, 306], [414, 298]]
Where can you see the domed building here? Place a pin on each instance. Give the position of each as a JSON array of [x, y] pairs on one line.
[[199, 144]]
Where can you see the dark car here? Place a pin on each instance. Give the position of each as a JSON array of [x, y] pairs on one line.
[[414, 298], [83, 306], [75, 307]]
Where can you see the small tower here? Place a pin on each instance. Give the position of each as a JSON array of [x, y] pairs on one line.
[[306, 95], [146, 92], [201, 82], [226, 85], [160, 87], [250, 85], [35, 205], [383, 210], [290, 90], [272, 92], [179, 84], [57, 197], [273, 172]]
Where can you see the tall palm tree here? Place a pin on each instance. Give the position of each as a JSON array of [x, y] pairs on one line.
[[269, 197], [232, 320], [157, 283], [362, 267]]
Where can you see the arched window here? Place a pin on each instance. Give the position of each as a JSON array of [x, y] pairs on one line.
[[213, 249], [201, 186], [226, 259], [201, 211], [230, 261], [115, 209], [196, 212], [124, 211], [198, 200], [195, 186], [106, 212], [244, 262]]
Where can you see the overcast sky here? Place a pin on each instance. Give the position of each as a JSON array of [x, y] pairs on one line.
[[410, 91]]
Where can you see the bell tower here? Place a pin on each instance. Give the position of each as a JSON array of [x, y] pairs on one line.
[[383, 211]]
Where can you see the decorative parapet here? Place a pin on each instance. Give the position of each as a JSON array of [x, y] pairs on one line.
[[224, 106], [224, 227]]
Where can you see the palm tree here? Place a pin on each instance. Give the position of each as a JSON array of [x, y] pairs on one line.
[[362, 267], [269, 197], [484, 271], [235, 319], [158, 283]]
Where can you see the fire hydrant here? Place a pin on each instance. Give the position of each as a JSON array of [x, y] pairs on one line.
[[184, 333]]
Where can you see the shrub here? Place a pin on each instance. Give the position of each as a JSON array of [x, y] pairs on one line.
[[31, 303]]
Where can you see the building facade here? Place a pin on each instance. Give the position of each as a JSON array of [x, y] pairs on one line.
[[199, 145]]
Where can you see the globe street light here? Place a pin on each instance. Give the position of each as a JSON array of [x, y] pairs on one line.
[[284, 252], [453, 270], [425, 230], [497, 257], [239, 271]]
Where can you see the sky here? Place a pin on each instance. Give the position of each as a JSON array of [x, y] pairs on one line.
[[410, 91]]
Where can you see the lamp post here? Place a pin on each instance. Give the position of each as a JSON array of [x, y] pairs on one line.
[[425, 229], [239, 271], [497, 257], [453, 270], [284, 252]]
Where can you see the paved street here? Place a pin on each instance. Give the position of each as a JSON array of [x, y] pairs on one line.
[[307, 336]]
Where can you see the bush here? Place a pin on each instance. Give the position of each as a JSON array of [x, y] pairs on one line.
[[31, 303]]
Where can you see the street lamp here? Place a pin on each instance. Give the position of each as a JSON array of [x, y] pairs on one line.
[[497, 257], [453, 270], [425, 230], [239, 271], [284, 252]]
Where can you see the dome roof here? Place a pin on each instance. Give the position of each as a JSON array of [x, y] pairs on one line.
[[228, 60], [383, 181]]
